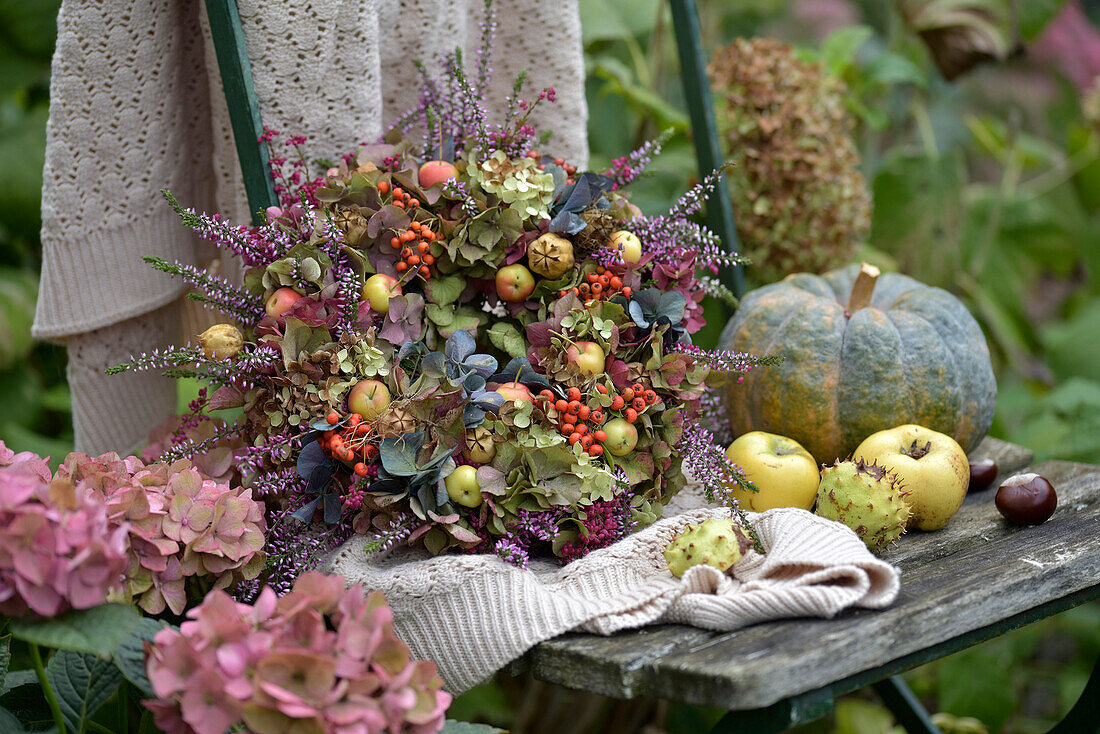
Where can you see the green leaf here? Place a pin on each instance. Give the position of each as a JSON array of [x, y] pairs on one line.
[[441, 316], [129, 655], [839, 49], [5, 658], [1035, 15], [1072, 347], [22, 155], [96, 631], [973, 683], [24, 699], [18, 292], [603, 20], [890, 68], [444, 291], [83, 683], [506, 338], [464, 727]]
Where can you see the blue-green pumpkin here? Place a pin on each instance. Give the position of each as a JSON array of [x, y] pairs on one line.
[[902, 353]]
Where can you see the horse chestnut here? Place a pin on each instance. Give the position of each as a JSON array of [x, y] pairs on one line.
[[1026, 499], [982, 474]]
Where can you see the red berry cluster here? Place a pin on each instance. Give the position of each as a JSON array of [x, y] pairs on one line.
[[417, 238], [569, 169], [578, 421], [633, 401], [350, 442], [598, 286]]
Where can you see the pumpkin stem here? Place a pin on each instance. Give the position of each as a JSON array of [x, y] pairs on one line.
[[862, 288]]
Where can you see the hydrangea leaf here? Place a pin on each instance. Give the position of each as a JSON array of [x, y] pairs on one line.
[[95, 631], [130, 653], [506, 337], [444, 291], [83, 683]]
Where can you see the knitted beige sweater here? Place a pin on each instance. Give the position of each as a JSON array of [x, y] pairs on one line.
[[473, 614], [136, 106]]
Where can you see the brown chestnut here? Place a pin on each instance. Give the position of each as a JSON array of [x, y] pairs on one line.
[[1026, 499], [982, 474]]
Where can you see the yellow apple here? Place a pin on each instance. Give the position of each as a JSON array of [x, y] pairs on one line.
[[783, 471], [588, 356], [369, 398], [932, 467], [630, 244], [462, 486], [379, 289]]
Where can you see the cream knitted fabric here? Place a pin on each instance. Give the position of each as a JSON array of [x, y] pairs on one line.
[[136, 106], [474, 614]]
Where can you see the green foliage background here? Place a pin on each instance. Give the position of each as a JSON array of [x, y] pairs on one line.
[[980, 186]]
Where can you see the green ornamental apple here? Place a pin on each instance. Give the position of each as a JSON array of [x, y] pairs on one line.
[[588, 356], [514, 283], [462, 486], [369, 398], [784, 472], [932, 467], [622, 437], [379, 289]]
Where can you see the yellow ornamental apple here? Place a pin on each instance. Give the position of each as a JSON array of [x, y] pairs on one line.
[[462, 486], [379, 289], [630, 244], [932, 467], [783, 471]]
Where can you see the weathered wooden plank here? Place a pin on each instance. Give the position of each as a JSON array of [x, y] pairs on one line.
[[941, 598], [975, 571]]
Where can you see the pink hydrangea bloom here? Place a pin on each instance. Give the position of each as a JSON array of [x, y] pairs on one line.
[[322, 659], [58, 548], [181, 526]]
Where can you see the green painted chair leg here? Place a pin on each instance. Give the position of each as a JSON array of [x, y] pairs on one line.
[[778, 717], [708, 148], [905, 707], [1084, 717]]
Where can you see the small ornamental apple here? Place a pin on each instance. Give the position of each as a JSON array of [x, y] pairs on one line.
[[369, 398], [932, 467], [434, 173], [515, 392], [280, 301], [630, 244], [514, 283], [462, 486], [379, 289], [622, 437], [588, 356], [782, 470]]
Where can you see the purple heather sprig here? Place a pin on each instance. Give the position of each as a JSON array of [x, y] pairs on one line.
[[628, 168], [456, 189], [401, 527], [254, 246], [219, 292], [189, 447], [159, 359], [708, 464], [293, 550], [488, 26], [725, 360], [530, 528]]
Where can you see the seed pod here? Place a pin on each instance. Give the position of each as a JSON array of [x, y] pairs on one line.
[[221, 341], [550, 256]]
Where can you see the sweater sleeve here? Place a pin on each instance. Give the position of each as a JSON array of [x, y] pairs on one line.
[[129, 116]]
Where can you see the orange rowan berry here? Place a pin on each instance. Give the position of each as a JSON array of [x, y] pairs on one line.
[[574, 393], [573, 438], [631, 415], [626, 291], [595, 450], [425, 273], [628, 393], [600, 436], [398, 191], [383, 187], [638, 404], [401, 267], [583, 412], [596, 416], [561, 405], [617, 402], [361, 469], [332, 418], [429, 259], [395, 242], [601, 389]]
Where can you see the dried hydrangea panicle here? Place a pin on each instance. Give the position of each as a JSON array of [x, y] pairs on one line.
[[802, 203], [321, 658]]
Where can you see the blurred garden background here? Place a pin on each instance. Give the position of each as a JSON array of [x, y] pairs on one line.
[[987, 184]]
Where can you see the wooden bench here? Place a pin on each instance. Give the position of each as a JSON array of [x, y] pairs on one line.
[[977, 578]]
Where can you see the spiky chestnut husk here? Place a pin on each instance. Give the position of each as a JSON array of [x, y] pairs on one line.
[[867, 498], [717, 542]]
